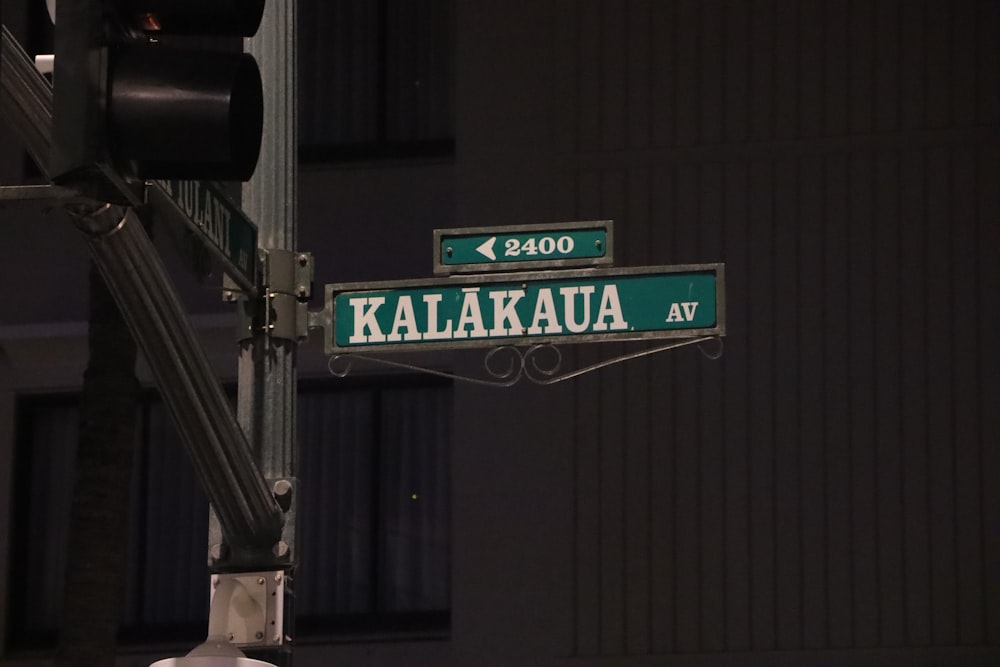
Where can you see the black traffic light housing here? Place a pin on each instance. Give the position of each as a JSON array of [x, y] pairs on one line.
[[128, 106]]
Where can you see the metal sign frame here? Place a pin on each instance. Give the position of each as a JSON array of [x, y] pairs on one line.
[[332, 291], [442, 235]]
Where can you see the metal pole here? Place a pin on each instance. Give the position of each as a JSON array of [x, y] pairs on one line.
[[267, 377], [249, 515], [267, 373]]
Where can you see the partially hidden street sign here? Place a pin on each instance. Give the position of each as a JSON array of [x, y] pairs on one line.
[[520, 247], [527, 308], [228, 234]]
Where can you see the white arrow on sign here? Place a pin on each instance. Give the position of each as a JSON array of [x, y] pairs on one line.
[[487, 248]]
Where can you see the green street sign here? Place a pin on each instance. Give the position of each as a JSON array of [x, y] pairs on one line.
[[228, 234], [527, 308], [520, 247]]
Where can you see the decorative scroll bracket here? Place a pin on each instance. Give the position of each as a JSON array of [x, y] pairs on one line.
[[540, 364]]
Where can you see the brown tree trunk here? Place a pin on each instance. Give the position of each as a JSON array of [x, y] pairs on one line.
[[98, 533]]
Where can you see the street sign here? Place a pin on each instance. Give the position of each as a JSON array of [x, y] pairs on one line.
[[526, 308], [228, 234], [520, 247]]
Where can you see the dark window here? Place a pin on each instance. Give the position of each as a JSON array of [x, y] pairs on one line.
[[373, 517], [375, 79]]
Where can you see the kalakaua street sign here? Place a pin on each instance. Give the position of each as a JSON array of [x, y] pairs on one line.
[[566, 306], [522, 247]]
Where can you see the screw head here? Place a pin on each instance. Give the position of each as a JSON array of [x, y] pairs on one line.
[[281, 549], [219, 552]]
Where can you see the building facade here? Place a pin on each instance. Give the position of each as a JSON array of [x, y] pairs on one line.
[[823, 493]]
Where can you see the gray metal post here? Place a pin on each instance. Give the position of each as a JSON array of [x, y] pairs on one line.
[[267, 373]]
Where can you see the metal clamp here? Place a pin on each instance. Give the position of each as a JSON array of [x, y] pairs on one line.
[[248, 608], [282, 311]]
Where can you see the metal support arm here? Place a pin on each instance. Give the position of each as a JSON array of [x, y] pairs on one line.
[[247, 511], [26, 100]]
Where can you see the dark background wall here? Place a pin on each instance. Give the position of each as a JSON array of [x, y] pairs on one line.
[[822, 494], [828, 484]]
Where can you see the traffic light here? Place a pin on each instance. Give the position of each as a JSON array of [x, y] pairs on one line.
[[128, 104]]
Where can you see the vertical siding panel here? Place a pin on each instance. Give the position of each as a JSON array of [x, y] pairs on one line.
[[764, 357], [711, 72], [787, 499], [712, 416], [836, 89], [786, 66], [963, 63], [968, 440], [565, 79], [987, 29], [687, 478], [687, 95], [838, 348], [761, 56], [612, 403], [589, 75], [638, 443], [639, 37], [812, 436], [937, 74], [940, 419], [662, 417], [912, 63], [863, 283], [888, 401], [810, 88], [663, 73], [738, 561], [887, 86], [861, 64], [564, 194], [912, 242], [988, 261], [736, 95], [613, 48], [588, 472]]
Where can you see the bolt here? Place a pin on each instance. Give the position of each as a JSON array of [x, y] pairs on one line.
[[303, 259], [281, 549], [282, 490], [449, 251], [219, 552], [277, 578], [259, 635], [230, 636], [261, 580], [598, 243], [277, 637]]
